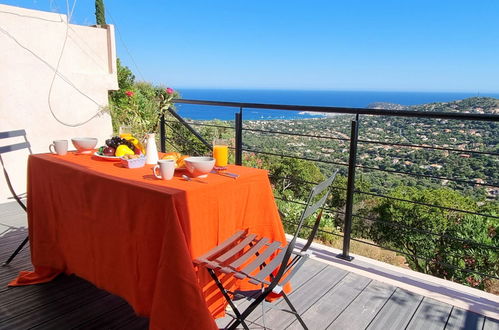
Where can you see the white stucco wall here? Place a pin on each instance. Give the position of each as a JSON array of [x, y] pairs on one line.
[[31, 43]]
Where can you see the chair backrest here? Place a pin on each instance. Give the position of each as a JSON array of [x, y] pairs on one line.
[[315, 202], [9, 148]]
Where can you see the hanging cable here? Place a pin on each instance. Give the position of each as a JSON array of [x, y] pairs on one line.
[[57, 73]]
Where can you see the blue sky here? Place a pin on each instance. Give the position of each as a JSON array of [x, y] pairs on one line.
[[382, 45]]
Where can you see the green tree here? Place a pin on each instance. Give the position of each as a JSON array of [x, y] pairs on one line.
[[406, 226], [290, 176], [100, 16]]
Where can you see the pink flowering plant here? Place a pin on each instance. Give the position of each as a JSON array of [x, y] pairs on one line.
[[140, 106], [165, 97]]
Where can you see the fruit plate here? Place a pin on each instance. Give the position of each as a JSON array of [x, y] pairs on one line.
[[109, 158]]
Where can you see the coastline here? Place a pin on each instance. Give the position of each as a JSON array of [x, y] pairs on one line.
[[348, 99]]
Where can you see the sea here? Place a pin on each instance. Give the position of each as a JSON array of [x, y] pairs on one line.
[[352, 99]]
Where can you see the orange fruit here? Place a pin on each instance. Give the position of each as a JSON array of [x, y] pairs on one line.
[[181, 161], [171, 155]]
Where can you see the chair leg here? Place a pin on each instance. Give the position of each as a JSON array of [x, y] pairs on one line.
[[239, 318], [19, 248], [294, 311]]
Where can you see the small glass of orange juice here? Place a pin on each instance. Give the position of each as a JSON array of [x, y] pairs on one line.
[[220, 153], [125, 132]]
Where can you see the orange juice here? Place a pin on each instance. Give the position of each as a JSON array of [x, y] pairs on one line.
[[221, 155]]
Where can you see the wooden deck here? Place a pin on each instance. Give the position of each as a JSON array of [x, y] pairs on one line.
[[327, 297]]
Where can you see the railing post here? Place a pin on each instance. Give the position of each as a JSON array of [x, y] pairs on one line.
[[162, 133], [352, 161], [239, 136]]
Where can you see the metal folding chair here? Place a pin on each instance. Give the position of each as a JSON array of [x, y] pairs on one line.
[[262, 262], [8, 148]]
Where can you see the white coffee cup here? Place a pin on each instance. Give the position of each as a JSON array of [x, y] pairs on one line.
[[59, 147], [166, 168]]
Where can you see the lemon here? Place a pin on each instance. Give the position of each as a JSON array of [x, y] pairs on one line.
[[123, 150]]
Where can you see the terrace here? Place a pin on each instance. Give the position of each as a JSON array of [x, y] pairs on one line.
[[331, 291]]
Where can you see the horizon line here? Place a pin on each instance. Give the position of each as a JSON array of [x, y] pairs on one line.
[[478, 93]]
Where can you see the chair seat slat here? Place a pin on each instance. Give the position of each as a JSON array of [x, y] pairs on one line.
[[269, 268], [251, 252], [261, 258], [221, 247], [10, 134], [236, 249], [14, 147]]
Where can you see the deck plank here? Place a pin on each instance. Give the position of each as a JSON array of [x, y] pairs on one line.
[[42, 307], [430, 315], [363, 309], [310, 269], [462, 319], [397, 311], [123, 314], [326, 310], [302, 299], [73, 319]]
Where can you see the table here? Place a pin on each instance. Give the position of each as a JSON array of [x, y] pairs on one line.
[[136, 236]]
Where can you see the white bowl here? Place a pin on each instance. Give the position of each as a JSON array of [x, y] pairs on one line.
[[199, 166], [84, 145]]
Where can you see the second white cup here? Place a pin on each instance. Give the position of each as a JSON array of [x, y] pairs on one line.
[[59, 147], [166, 169]]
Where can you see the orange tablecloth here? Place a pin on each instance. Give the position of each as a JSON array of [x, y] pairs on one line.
[[136, 236]]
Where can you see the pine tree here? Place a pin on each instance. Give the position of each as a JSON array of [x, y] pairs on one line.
[[100, 16]]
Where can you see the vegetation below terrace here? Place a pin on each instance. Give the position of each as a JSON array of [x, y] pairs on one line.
[[460, 246]]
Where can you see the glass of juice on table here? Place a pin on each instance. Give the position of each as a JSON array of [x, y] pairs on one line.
[[125, 132], [220, 153]]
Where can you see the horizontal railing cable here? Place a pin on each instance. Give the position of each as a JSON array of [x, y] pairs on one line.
[[374, 142], [295, 134], [327, 209], [372, 168], [426, 204], [428, 147], [494, 185], [295, 157], [293, 223], [428, 232], [398, 224], [303, 181]]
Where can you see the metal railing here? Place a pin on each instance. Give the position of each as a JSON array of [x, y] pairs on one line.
[[352, 165]]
